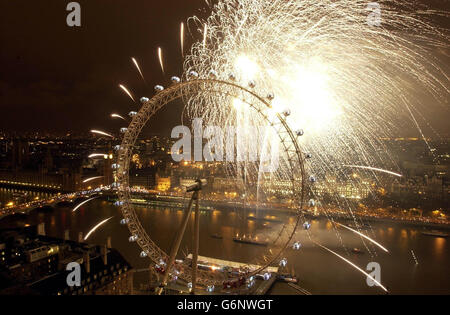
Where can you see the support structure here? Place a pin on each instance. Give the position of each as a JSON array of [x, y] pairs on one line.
[[176, 246], [196, 243]]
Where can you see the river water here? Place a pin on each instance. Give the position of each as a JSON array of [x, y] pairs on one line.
[[319, 271]]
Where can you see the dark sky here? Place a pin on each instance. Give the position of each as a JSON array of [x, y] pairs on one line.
[[57, 78]]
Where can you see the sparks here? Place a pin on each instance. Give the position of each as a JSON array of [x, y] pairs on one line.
[[91, 179], [102, 133], [182, 38], [353, 265], [320, 59], [374, 169], [160, 58], [126, 91], [205, 33], [138, 68], [343, 78], [96, 155], [83, 203], [364, 236], [117, 116], [96, 227]]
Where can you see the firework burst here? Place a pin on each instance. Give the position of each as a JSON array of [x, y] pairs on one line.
[[347, 73], [347, 82]]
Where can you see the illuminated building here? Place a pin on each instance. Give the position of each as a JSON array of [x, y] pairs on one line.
[[145, 178], [163, 183], [36, 264], [107, 169], [66, 180]]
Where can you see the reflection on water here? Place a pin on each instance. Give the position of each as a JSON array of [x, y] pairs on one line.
[[390, 231], [318, 271], [404, 233], [439, 246]]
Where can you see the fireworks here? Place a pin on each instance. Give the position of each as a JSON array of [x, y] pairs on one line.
[[354, 266], [160, 59], [374, 169], [117, 116], [346, 74], [343, 72], [91, 179], [97, 155], [96, 227], [364, 236], [138, 68], [182, 38], [102, 133], [83, 203], [345, 79], [127, 92]]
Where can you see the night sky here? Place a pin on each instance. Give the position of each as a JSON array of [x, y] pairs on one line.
[[57, 78]]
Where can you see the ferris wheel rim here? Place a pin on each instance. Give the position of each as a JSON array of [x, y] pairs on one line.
[[160, 100]]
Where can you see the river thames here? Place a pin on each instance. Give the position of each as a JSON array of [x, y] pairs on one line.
[[318, 271]]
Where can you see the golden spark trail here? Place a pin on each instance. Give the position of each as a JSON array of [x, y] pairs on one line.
[[364, 236], [312, 28], [83, 203], [126, 91], [418, 127], [182, 38], [138, 68], [205, 33], [374, 169], [117, 116], [96, 227], [342, 77], [353, 265], [91, 179], [94, 155], [331, 71], [102, 133], [160, 58]]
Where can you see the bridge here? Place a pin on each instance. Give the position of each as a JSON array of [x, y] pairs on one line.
[[29, 206]]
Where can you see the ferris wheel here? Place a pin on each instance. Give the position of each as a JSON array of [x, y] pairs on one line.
[[293, 159]]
